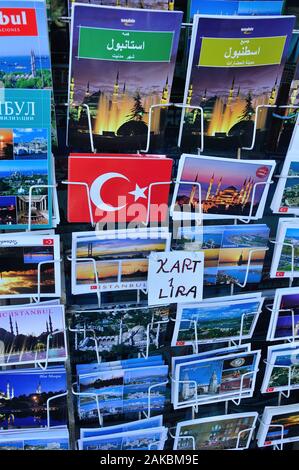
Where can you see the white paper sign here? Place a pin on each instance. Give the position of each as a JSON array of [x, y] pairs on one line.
[[175, 277]]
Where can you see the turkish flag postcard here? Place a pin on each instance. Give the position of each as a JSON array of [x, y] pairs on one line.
[[121, 188]]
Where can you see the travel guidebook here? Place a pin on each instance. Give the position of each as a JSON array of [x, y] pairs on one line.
[[279, 424], [229, 188], [22, 257], [216, 433], [235, 7], [121, 63], [284, 322], [120, 259], [226, 250], [25, 394], [235, 64], [25, 159], [119, 331], [118, 190], [28, 332]]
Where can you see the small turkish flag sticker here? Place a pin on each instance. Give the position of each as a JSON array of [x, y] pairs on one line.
[[262, 172], [283, 209], [48, 242]]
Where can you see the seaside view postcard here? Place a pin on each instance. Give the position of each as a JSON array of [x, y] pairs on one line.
[[43, 439], [121, 259], [20, 258], [24, 395], [235, 65], [226, 250], [122, 391], [216, 433], [230, 188], [24, 333], [235, 7], [119, 331], [285, 377], [279, 425], [122, 62], [285, 256], [25, 159], [216, 322]]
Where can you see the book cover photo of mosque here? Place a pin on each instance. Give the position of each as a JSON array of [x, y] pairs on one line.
[[121, 63], [24, 333], [25, 58], [235, 65], [229, 187]]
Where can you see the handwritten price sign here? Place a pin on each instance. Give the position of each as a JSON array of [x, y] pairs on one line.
[[175, 277]]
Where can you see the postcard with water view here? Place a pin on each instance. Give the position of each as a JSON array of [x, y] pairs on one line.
[[235, 7], [20, 258], [226, 250], [122, 391], [216, 433], [287, 375], [284, 322], [25, 159], [286, 196], [121, 260], [230, 188], [235, 65], [24, 395], [225, 321], [279, 424], [121, 63], [285, 260], [24, 332], [24, 439], [119, 331]]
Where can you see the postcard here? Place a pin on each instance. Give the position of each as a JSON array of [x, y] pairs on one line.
[[108, 78], [219, 75], [215, 379], [122, 391], [207, 322], [21, 260], [118, 191], [148, 4], [226, 250], [235, 7], [284, 322], [147, 423], [119, 331], [279, 425], [224, 432], [25, 159], [121, 259], [83, 369], [286, 196], [27, 439], [229, 188], [282, 371], [285, 256], [147, 439], [24, 333], [25, 394]]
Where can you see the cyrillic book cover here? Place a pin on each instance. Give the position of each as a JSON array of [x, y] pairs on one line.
[[235, 65], [121, 63], [25, 158]]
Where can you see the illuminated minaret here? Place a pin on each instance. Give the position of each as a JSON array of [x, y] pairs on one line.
[[116, 89], [32, 62], [165, 93], [250, 187], [7, 391], [231, 93], [210, 187], [11, 325], [273, 94], [170, 5], [242, 191], [72, 87], [39, 389], [193, 192], [87, 91], [12, 393], [218, 186], [190, 93], [204, 97]]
